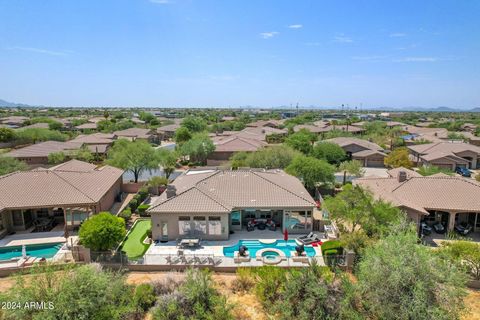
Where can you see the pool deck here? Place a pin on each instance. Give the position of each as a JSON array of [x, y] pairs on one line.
[[157, 254], [20, 238]]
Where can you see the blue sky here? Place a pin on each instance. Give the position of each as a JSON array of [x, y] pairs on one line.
[[161, 53]]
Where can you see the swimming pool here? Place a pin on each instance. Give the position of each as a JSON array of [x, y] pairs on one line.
[[255, 245], [43, 250]]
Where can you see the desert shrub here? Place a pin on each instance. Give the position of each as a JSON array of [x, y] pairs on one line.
[[142, 209], [270, 281], [244, 281], [144, 296], [196, 298], [331, 252], [102, 231], [168, 285]]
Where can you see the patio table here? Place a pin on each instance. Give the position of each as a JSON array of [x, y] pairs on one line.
[[189, 242]]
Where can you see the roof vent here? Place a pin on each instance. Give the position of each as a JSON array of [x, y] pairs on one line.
[[402, 176]]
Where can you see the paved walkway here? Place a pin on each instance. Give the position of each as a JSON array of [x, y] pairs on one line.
[[19, 239], [119, 206]]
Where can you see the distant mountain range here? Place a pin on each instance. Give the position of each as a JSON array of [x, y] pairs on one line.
[[4, 103], [8, 104]]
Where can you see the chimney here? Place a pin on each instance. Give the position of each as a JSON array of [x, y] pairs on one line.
[[402, 176], [171, 191]]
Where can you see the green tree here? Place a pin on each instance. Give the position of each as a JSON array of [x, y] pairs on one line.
[[198, 148], [182, 135], [276, 157], [167, 160], [7, 135], [400, 279], [98, 294], [9, 164], [34, 135], [355, 209], [466, 253], [56, 157], [351, 168], [313, 172], [399, 158], [194, 124], [134, 156], [102, 231], [331, 152], [302, 141]]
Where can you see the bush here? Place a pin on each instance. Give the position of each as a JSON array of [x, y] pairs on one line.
[[126, 214], [144, 296], [270, 282], [331, 252], [102, 231], [332, 245], [142, 209], [133, 204], [143, 193]]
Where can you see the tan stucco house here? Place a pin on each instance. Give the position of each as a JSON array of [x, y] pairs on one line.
[[368, 153], [447, 155], [209, 204], [65, 194], [440, 197]]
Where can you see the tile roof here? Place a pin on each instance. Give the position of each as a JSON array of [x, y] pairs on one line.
[[95, 138], [235, 143], [169, 128], [446, 147], [427, 193], [43, 149], [345, 141], [87, 125], [72, 183], [134, 132], [224, 190]]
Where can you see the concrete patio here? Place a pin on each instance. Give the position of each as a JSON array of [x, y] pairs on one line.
[[211, 252]]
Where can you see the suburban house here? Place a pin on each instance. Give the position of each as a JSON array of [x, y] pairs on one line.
[[64, 195], [37, 154], [226, 146], [266, 123], [88, 126], [211, 204], [138, 133], [446, 155], [448, 199], [167, 132], [98, 143], [368, 153]]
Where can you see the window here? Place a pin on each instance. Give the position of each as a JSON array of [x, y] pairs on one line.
[[199, 225], [214, 226], [297, 220], [184, 227]]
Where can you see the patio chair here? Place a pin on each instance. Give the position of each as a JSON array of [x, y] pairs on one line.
[[173, 260]]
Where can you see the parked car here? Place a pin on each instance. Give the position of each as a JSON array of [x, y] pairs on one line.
[[439, 227], [425, 229], [464, 172], [464, 228]]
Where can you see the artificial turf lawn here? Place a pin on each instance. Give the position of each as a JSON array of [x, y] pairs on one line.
[[133, 245]]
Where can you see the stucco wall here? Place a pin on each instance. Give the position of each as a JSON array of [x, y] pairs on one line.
[[109, 198]]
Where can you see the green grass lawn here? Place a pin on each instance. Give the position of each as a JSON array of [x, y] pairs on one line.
[[133, 245]]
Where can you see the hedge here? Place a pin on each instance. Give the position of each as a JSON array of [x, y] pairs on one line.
[[332, 245], [142, 208]]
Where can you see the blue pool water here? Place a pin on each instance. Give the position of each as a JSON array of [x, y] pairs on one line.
[[255, 245], [44, 250]]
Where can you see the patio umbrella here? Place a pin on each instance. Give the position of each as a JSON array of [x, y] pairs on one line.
[[285, 235], [24, 251]]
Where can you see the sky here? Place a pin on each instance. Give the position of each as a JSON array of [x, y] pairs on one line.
[[227, 53]]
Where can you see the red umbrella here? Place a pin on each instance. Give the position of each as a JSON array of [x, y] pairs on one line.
[[285, 235]]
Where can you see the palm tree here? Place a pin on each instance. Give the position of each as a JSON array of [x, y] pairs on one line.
[[352, 168]]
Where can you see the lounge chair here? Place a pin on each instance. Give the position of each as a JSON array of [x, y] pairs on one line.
[[173, 260], [311, 238], [201, 260], [308, 236]]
